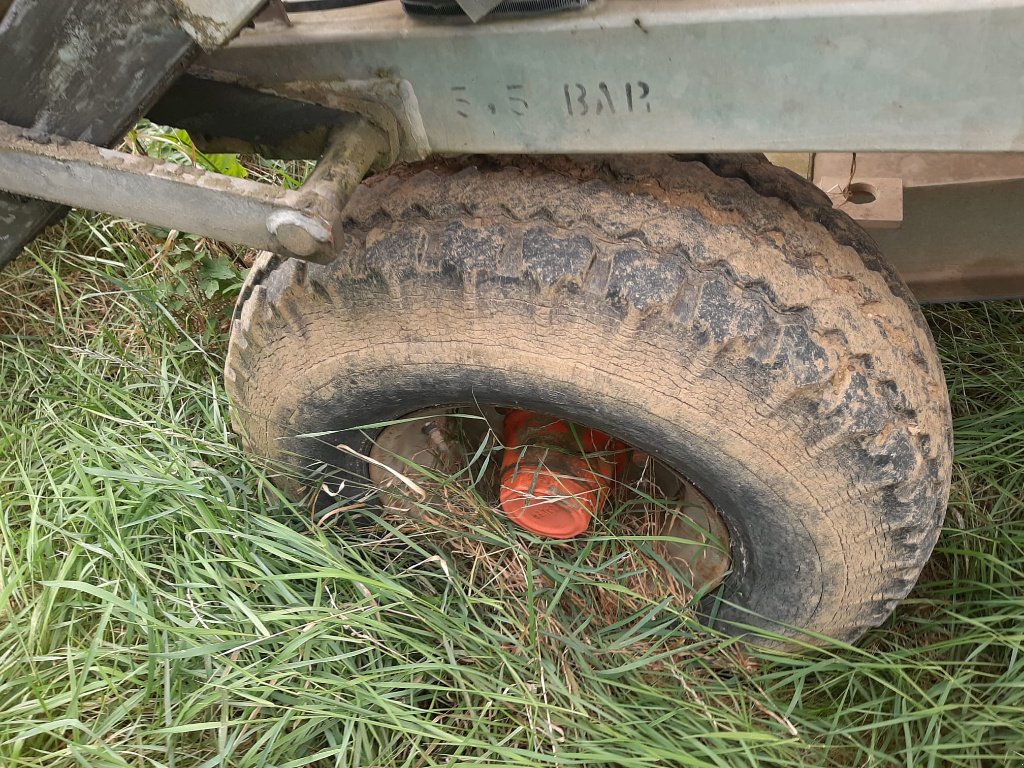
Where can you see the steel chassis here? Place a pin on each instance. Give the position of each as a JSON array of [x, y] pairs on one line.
[[365, 87]]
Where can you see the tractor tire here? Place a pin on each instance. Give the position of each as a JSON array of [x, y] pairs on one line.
[[713, 311]]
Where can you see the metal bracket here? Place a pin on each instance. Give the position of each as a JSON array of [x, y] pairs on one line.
[[875, 203], [962, 232], [302, 223], [85, 70], [213, 22]]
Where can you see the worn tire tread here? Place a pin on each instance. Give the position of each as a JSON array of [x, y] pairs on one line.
[[797, 272]]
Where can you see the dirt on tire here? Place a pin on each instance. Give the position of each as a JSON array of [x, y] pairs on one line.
[[713, 311]]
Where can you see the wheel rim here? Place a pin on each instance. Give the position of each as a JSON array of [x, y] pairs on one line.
[[410, 455]]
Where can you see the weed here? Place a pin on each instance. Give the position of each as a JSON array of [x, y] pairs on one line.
[[162, 605]]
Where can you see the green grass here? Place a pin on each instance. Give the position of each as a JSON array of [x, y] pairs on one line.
[[162, 605]]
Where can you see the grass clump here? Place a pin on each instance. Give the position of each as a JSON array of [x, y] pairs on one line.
[[162, 605]]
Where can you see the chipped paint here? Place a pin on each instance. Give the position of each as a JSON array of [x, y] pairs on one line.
[[213, 22]]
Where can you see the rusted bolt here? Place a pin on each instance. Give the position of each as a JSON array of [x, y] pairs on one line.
[[297, 233]]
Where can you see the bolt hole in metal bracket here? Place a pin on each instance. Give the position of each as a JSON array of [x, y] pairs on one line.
[[304, 223], [875, 203]]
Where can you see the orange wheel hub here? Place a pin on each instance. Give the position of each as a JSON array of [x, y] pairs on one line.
[[556, 476]]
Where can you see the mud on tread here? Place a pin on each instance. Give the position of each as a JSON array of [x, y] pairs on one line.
[[766, 283]]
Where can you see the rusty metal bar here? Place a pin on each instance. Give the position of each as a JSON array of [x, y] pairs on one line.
[[303, 223]]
